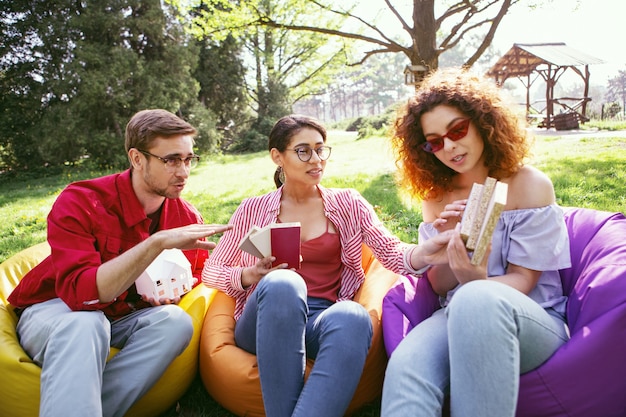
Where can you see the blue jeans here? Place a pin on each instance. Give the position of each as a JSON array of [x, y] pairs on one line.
[[72, 349], [283, 327], [474, 350]]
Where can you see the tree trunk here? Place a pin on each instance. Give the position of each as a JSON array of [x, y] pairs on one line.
[[424, 51]]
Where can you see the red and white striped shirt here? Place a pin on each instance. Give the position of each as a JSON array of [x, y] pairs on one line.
[[352, 215]]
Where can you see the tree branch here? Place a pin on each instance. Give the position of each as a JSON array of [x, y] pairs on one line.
[[361, 20], [490, 35], [459, 30], [405, 25], [389, 46]]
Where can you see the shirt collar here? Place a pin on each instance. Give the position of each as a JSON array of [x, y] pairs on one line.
[[132, 208], [330, 204]]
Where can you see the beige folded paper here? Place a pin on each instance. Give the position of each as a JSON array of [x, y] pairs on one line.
[[481, 215]]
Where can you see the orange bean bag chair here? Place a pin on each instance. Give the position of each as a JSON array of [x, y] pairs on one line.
[[230, 374], [20, 376]]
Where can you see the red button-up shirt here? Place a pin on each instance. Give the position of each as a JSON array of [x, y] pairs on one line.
[[90, 223]]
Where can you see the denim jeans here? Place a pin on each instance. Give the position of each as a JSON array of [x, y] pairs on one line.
[[474, 350], [282, 327], [72, 348]]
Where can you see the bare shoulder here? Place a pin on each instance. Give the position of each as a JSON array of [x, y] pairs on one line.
[[431, 210], [529, 188]]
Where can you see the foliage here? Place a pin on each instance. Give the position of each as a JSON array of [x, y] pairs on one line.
[[425, 38], [253, 139], [73, 73], [207, 139], [375, 122], [616, 91], [286, 66], [287, 40], [220, 73], [35, 44], [376, 125], [612, 110]]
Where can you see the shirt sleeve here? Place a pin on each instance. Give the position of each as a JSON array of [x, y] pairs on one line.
[[534, 238], [224, 267], [75, 254]]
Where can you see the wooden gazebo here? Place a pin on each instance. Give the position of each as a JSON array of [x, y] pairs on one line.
[[548, 61]]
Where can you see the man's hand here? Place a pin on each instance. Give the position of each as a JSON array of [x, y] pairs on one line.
[[115, 276], [163, 301], [191, 236]]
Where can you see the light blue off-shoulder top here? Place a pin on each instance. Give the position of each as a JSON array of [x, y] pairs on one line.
[[533, 238]]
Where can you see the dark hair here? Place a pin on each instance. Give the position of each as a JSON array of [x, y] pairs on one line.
[[147, 125], [504, 136], [285, 129]]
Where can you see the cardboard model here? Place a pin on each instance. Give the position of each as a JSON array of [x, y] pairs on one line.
[[168, 276]]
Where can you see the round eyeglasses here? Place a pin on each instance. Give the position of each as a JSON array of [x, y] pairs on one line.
[[305, 153], [172, 163], [456, 132]]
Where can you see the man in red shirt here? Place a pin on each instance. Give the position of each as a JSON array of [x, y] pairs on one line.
[[82, 299]]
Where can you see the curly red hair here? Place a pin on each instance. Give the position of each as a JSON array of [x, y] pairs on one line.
[[504, 136]]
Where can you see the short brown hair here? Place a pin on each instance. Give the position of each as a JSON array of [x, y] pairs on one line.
[[147, 125]]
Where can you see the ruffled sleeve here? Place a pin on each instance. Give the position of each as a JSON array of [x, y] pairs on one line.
[[426, 231], [533, 238], [536, 239]]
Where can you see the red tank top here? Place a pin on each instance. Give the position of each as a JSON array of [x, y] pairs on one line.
[[321, 265]]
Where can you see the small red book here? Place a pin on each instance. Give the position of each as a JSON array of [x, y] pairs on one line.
[[281, 240]]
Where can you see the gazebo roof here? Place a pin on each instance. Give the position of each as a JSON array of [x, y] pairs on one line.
[[548, 61], [523, 59]]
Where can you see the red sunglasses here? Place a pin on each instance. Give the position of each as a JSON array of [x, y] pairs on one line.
[[456, 132]]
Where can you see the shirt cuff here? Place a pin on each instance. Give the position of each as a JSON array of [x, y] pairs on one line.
[[409, 266]]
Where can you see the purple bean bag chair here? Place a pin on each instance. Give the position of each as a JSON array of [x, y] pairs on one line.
[[586, 377]]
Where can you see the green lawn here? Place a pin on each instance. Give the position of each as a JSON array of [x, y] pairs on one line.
[[586, 171]]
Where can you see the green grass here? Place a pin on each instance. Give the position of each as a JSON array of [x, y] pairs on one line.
[[586, 172], [605, 125]]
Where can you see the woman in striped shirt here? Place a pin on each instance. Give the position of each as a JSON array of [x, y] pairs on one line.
[[284, 316]]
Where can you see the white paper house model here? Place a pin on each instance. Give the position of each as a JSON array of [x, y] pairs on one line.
[[168, 276]]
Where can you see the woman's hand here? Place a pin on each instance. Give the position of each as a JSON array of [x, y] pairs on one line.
[[459, 260], [253, 274], [450, 216], [431, 252]]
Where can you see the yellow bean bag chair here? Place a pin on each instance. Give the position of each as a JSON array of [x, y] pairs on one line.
[[19, 380], [230, 374]]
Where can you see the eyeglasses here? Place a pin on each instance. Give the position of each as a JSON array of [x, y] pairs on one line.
[[305, 153], [173, 163], [456, 132]]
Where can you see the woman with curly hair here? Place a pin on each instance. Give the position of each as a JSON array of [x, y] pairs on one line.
[[507, 315]]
